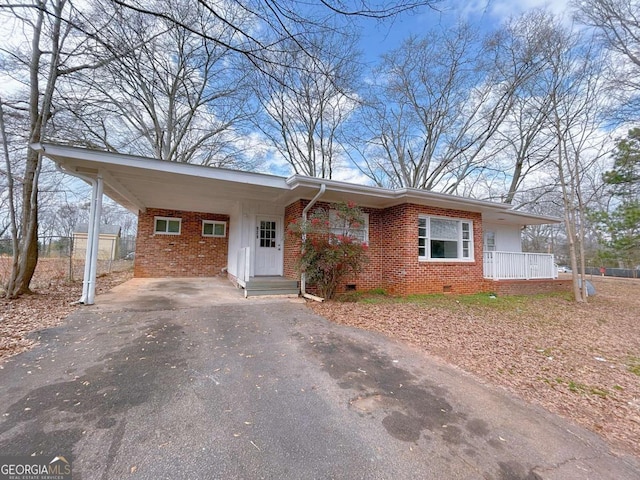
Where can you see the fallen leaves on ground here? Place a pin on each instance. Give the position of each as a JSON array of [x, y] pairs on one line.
[[46, 308], [576, 360]]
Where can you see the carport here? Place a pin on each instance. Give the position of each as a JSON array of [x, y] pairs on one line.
[[139, 184]]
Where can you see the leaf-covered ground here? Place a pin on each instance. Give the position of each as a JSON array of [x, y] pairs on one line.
[[47, 307], [581, 361]]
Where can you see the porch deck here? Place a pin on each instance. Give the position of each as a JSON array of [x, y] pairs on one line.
[[519, 266]]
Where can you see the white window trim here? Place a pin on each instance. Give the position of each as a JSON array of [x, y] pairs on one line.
[[485, 243], [214, 223], [173, 219], [365, 226], [459, 259]]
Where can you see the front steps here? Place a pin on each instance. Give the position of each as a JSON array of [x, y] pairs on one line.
[[271, 286]]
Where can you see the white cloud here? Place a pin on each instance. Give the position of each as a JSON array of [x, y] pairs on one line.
[[501, 10]]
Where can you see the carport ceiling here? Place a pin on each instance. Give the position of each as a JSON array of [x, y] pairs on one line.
[[138, 183]]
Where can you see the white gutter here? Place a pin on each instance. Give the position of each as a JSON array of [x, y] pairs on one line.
[[93, 236], [303, 279]]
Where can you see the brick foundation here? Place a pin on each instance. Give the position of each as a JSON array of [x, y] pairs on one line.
[[186, 255], [527, 287]]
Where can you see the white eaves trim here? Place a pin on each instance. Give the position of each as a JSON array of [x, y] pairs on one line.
[[423, 197], [72, 157], [404, 194], [59, 152]]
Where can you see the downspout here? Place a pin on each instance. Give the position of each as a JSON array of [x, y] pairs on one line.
[[93, 237], [303, 279]]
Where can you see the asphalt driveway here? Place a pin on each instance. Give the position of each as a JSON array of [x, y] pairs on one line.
[[186, 379]]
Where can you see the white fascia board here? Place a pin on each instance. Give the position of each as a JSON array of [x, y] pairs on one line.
[[524, 218], [461, 203], [65, 154], [297, 181], [399, 195], [413, 195]]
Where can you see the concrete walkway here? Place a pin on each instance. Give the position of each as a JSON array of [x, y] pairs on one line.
[[186, 379]]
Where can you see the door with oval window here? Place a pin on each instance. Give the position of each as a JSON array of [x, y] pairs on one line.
[[268, 257]]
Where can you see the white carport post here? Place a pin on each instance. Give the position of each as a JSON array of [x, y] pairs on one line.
[[93, 235], [93, 239]]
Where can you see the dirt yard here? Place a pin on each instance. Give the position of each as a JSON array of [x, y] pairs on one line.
[[580, 361]]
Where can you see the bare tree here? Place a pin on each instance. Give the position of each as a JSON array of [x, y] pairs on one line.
[[524, 140], [46, 56], [305, 101], [55, 47], [267, 26], [575, 85], [617, 26], [10, 190], [439, 101], [168, 93], [617, 23]]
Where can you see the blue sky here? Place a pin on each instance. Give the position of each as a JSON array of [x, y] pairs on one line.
[[378, 38]]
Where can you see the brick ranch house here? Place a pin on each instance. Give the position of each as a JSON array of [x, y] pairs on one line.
[[196, 221]]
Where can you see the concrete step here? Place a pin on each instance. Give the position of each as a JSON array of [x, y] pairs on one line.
[[271, 286], [272, 283], [271, 291]]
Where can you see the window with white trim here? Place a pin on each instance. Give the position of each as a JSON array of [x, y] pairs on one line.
[[445, 239], [490, 241], [213, 228], [341, 227], [167, 225]]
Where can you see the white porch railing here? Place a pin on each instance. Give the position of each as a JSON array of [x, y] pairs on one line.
[[519, 266], [244, 266]]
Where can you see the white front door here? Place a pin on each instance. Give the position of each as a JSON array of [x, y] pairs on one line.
[[268, 257]]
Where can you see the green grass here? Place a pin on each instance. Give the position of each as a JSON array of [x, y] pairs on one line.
[[486, 300], [633, 365], [375, 295], [582, 388]]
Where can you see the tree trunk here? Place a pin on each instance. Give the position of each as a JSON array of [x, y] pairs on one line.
[[26, 255], [39, 113], [12, 210]]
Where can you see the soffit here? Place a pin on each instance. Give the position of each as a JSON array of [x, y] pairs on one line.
[[138, 183]]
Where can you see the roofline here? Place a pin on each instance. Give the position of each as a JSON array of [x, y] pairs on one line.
[[51, 150], [290, 184], [402, 195], [393, 194]]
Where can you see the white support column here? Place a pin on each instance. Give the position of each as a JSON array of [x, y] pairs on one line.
[[95, 242], [88, 251]]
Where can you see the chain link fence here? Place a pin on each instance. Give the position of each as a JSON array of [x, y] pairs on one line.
[[614, 272], [60, 262]]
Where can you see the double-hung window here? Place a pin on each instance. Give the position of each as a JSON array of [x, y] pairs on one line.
[[212, 228], [167, 226], [340, 227], [445, 239]]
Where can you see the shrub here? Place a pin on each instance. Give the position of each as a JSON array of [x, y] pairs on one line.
[[331, 246]]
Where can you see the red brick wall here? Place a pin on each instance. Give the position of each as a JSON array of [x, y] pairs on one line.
[[393, 253], [292, 246], [404, 274], [527, 287], [186, 255], [371, 276]]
